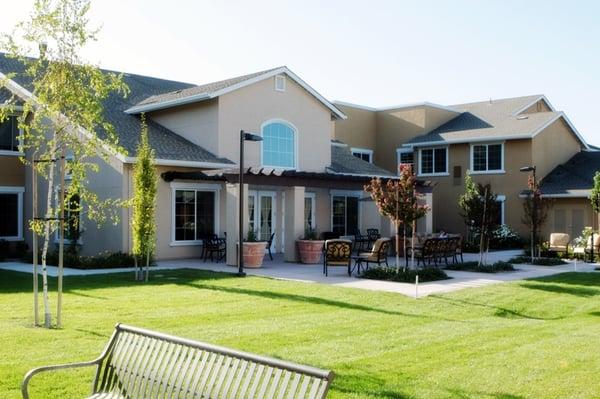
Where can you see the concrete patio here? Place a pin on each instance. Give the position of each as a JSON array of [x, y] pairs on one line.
[[279, 269]]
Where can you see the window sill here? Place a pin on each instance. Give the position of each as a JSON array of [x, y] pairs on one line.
[[185, 243], [433, 174], [12, 153], [68, 242], [280, 167], [12, 238], [487, 172]]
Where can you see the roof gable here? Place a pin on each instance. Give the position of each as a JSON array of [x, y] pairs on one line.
[[216, 89]]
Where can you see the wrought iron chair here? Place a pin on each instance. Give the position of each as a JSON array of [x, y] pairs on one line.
[[269, 244], [378, 254], [337, 253]]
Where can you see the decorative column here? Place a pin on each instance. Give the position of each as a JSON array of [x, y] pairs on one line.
[[294, 221], [231, 220]]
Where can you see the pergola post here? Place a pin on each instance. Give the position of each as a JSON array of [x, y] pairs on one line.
[[294, 220]]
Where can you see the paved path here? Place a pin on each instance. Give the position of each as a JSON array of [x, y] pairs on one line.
[[313, 274]]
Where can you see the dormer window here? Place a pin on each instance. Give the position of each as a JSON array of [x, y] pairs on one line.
[[9, 135], [363, 153], [280, 83]]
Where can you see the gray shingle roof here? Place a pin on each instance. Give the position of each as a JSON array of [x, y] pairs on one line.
[[489, 119], [167, 144], [342, 161], [202, 89], [576, 175]]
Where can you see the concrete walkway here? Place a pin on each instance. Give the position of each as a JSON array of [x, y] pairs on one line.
[[314, 273]]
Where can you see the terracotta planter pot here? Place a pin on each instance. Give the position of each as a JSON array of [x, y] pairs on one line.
[[254, 252], [310, 251]]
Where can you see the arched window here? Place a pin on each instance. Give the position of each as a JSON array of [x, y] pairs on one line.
[[279, 145]]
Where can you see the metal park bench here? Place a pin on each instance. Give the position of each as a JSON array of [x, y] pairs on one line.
[[139, 363]]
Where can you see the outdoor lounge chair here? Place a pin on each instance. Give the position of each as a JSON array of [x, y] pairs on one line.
[[139, 363], [337, 253], [559, 242], [214, 246], [378, 254]]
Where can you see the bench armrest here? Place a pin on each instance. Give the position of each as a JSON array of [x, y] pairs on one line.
[[37, 370]]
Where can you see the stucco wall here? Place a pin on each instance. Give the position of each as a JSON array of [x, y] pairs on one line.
[[249, 107], [447, 189], [196, 122], [359, 129], [540, 106], [553, 146]]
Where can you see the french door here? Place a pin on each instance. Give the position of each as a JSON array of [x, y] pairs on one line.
[[344, 214], [261, 214]]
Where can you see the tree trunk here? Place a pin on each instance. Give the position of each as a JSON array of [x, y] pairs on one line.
[[404, 242], [397, 246], [49, 215], [483, 228], [147, 264], [135, 267], [412, 244]]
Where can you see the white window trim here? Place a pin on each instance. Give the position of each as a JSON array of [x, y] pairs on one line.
[[402, 150], [502, 200], [216, 188], [294, 129], [280, 78], [487, 171], [19, 191], [345, 193], [420, 160], [362, 151], [313, 200]]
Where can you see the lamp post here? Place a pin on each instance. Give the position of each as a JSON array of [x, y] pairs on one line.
[[244, 136], [534, 211]]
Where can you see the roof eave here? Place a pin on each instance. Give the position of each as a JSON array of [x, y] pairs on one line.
[[138, 109]]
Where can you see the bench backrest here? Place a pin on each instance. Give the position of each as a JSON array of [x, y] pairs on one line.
[[139, 363]]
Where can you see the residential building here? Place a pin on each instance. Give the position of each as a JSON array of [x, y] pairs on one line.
[[297, 177], [489, 140]]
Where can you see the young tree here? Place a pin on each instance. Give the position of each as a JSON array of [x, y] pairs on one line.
[[63, 114], [144, 204], [535, 211], [480, 212], [399, 201]]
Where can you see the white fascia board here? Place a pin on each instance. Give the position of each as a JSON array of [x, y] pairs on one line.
[[538, 98], [401, 106], [138, 109], [469, 140], [333, 144], [568, 194], [25, 94], [189, 164]]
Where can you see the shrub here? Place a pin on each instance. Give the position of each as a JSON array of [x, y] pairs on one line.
[[104, 260], [497, 267], [404, 276], [10, 250], [537, 261]]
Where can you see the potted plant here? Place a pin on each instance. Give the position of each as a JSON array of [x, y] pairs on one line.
[[310, 247], [254, 250]]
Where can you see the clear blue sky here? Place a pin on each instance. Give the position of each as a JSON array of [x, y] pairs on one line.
[[368, 52]]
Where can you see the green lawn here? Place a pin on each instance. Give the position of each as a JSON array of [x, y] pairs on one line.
[[528, 339]]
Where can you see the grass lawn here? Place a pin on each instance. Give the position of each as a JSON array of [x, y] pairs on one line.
[[527, 339]]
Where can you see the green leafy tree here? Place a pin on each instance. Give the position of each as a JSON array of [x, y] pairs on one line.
[[63, 114], [145, 181], [595, 194], [480, 210], [398, 200], [535, 211]]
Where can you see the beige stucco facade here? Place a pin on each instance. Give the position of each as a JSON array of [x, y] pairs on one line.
[[569, 215], [13, 171]]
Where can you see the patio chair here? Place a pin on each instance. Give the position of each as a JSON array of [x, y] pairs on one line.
[[372, 236], [459, 249], [337, 253], [427, 252], [215, 246], [270, 244], [447, 249], [378, 254], [559, 242], [360, 240]]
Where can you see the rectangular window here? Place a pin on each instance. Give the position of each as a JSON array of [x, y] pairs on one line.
[[72, 220], [9, 134], [280, 83], [364, 154], [11, 213], [487, 158], [406, 156], [344, 215], [195, 216], [433, 161]]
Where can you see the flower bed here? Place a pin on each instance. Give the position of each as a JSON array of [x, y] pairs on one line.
[[538, 261], [475, 267]]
